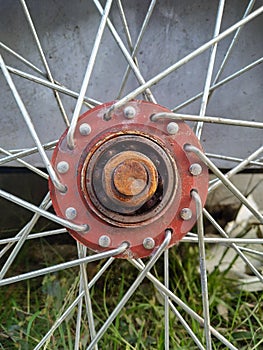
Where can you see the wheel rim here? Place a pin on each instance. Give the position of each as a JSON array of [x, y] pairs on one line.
[[145, 121]]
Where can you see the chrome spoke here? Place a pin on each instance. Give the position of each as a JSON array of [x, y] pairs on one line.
[[131, 290], [184, 60], [85, 83], [44, 60], [137, 45], [205, 97], [166, 301]]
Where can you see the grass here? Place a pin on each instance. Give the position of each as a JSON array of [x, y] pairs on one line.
[[28, 309]]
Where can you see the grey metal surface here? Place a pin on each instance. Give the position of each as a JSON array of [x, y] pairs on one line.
[[67, 31]]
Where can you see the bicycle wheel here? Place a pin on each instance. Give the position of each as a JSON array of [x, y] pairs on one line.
[[122, 109]]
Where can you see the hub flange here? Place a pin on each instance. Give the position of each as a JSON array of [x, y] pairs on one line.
[[129, 179]]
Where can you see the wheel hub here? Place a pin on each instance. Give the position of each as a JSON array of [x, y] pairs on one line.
[[128, 178]]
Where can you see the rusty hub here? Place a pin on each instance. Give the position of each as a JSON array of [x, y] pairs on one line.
[[128, 179]]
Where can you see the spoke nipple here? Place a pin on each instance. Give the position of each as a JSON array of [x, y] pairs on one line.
[[71, 213], [129, 112], [195, 169], [172, 128], [186, 214], [85, 129], [62, 167], [104, 241], [148, 243]]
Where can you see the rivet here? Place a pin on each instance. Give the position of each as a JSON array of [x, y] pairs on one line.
[[129, 112], [172, 128], [148, 243], [104, 241], [186, 214], [85, 129], [195, 169], [62, 167], [71, 213]]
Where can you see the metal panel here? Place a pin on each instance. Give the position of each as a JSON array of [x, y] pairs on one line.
[[67, 31]]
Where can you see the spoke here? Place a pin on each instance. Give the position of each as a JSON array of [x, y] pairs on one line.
[[127, 55], [233, 42], [233, 245], [26, 152], [225, 181], [137, 45], [31, 128], [23, 236], [33, 236], [186, 308], [225, 241], [182, 61], [232, 159], [78, 320], [125, 25], [46, 214], [73, 305], [166, 300], [251, 251], [54, 86], [27, 165], [204, 102], [21, 58], [84, 283], [220, 83], [64, 266], [173, 308], [241, 166], [202, 258], [85, 83], [131, 290], [207, 119], [43, 58]]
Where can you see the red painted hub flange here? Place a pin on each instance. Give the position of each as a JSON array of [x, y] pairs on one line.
[[128, 179]]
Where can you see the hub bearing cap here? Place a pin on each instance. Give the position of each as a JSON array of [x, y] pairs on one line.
[[129, 179]]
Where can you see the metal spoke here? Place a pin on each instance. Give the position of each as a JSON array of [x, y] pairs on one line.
[[185, 307], [125, 25], [207, 119], [73, 305], [166, 301], [137, 45], [204, 102], [54, 86], [173, 308], [225, 181], [241, 166], [184, 60], [43, 58], [46, 214], [202, 259], [31, 128], [232, 159], [127, 55], [233, 42], [27, 152], [220, 83], [27, 165], [33, 236], [82, 252], [85, 83], [234, 246], [23, 236], [131, 290], [64, 266]]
